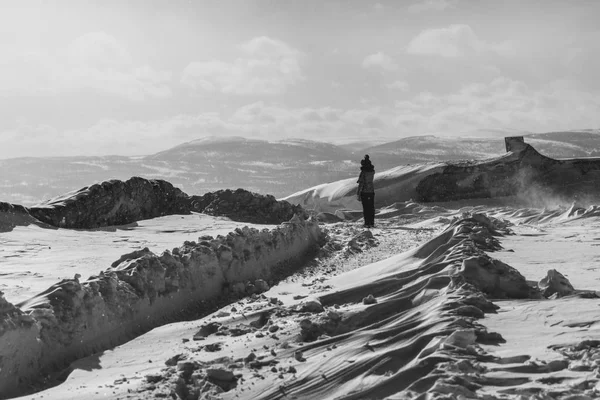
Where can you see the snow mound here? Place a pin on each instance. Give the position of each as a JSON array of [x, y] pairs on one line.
[[138, 292], [394, 185]]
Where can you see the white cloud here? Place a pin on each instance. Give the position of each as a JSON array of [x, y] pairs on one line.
[[380, 60], [95, 61], [267, 67], [454, 41], [402, 86], [431, 5], [502, 103], [135, 137]]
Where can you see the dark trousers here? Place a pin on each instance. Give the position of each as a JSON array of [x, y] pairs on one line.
[[368, 203]]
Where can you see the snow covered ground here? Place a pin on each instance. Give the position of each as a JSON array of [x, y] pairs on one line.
[[34, 258], [378, 315]]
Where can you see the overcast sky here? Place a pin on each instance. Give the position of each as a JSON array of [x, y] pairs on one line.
[[136, 77]]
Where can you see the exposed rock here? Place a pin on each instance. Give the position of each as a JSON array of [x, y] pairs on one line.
[[242, 205], [361, 242], [313, 306], [369, 300], [261, 286], [13, 215], [221, 374], [334, 316], [154, 378], [299, 356], [207, 330], [113, 202], [249, 358], [523, 171], [186, 368], [175, 359], [555, 283], [309, 331], [117, 202]]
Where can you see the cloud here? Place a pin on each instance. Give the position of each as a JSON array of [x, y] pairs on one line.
[[110, 136], [266, 67], [454, 41], [380, 60], [139, 137], [503, 103], [99, 62], [431, 5], [399, 85], [95, 61]]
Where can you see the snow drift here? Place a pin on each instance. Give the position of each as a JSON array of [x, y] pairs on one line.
[[406, 327], [139, 291]]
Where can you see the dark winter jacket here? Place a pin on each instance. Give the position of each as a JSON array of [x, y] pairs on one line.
[[365, 181]]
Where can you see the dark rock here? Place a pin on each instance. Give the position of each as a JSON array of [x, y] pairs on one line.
[[522, 172], [116, 202], [207, 330], [154, 378], [369, 300], [175, 359], [220, 374], [186, 368], [313, 306], [555, 283], [261, 286], [242, 205], [112, 203]]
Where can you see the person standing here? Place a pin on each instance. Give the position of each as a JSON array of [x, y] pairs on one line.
[[366, 191]]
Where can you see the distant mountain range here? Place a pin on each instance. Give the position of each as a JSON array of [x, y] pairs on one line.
[[269, 167]]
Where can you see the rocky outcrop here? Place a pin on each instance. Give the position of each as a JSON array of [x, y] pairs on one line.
[[522, 172], [242, 205], [13, 215], [140, 291], [113, 202], [118, 202], [555, 283]]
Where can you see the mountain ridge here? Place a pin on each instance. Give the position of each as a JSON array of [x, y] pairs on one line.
[[277, 167]]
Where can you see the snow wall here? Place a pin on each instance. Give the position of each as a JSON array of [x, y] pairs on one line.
[[138, 292]]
